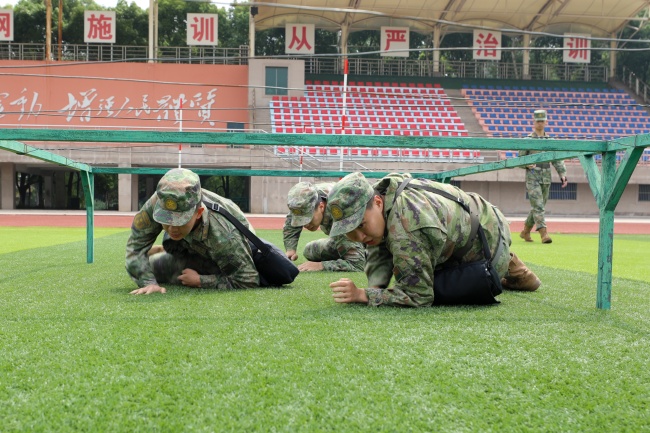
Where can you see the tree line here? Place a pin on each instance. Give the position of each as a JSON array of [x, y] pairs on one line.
[[133, 29]]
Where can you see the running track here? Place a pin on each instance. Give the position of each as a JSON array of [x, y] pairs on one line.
[[123, 220]]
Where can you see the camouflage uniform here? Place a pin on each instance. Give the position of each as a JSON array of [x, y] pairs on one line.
[[335, 253], [538, 184], [214, 248], [422, 231]]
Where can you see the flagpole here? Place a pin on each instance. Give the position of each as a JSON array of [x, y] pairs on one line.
[[180, 129], [343, 107]]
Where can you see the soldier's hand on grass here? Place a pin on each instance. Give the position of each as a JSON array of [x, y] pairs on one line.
[[147, 290], [310, 266], [190, 278], [291, 254], [345, 291]]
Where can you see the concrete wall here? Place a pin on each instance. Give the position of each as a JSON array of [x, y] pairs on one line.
[[257, 97], [7, 194], [504, 188]]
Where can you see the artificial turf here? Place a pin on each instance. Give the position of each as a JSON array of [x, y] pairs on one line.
[[80, 354]]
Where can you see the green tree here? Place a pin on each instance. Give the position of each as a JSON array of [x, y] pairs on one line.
[[132, 24], [29, 21], [172, 20], [269, 42], [456, 47], [106, 191], [636, 61], [233, 32]]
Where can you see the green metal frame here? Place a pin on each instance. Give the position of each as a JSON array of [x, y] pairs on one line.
[[607, 183]]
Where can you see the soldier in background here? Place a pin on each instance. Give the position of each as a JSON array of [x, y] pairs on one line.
[[201, 248], [410, 237], [307, 209], [538, 183]]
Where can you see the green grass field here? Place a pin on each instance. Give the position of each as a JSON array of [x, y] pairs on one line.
[[78, 353]]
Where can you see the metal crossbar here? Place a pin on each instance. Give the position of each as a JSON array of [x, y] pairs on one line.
[[607, 183]]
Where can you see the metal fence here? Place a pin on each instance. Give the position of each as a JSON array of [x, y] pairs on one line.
[[471, 69], [637, 86], [111, 52], [313, 65]]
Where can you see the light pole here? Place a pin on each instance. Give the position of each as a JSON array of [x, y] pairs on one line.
[[60, 28], [48, 29]]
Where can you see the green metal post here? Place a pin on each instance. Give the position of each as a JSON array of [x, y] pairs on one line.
[[88, 182], [605, 254], [605, 234]]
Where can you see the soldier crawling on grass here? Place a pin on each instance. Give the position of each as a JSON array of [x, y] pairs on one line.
[[307, 209], [411, 236], [201, 249]]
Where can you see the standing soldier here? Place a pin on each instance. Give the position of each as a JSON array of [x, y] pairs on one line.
[[307, 208], [201, 248], [412, 232], [538, 183]]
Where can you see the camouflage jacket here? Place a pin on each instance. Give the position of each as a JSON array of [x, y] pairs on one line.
[[542, 175], [422, 231], [291, 235], [214, 238]]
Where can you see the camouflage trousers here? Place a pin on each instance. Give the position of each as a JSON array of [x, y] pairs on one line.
[[497, 233], [502, 262], [168, 266], [538, 196], [336, 254]]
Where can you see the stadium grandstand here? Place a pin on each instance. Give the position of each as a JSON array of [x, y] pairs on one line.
[[385, 96]]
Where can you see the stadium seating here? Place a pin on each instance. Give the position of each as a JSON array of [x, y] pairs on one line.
[[371, 108], [602, 114]]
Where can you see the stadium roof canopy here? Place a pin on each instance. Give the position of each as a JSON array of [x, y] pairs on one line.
[[599, 18]]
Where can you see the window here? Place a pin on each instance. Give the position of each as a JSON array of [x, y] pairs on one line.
[[277, 80], [570, 192], [644, 192], [556, 192], [235, 127]]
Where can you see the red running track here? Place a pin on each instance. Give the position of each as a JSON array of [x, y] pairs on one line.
[[621, 226]]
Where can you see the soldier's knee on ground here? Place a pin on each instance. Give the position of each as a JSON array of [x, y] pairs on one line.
[[312, 254], [166, 268]]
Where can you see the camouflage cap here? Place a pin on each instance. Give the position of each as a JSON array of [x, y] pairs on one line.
[[302, 201], [179, 192], [347, 202], [540, 115]]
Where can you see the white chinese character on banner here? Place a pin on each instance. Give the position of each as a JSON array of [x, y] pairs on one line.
[[33, 109], [99, 26], [395, 41], [6, 25], [487, 45], [299, 39], [84, 106], [205, 109], [577, 48], [202, 29]]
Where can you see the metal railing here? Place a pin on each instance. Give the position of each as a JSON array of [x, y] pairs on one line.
[[314, 65], [470, 69], [111, 52], [637, 86]]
